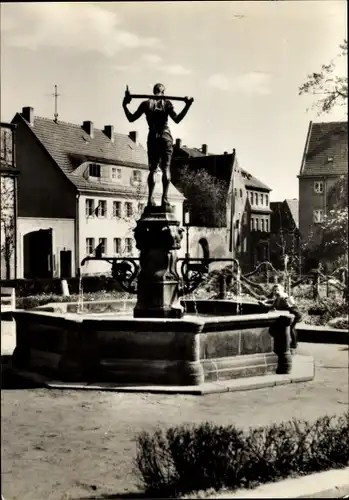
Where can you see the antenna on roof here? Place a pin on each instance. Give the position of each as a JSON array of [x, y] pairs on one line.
[[56, 95]]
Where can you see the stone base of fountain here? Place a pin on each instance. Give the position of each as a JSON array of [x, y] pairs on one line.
[[214, 344]]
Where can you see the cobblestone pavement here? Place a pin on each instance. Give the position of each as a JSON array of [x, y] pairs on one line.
[[60, 444]]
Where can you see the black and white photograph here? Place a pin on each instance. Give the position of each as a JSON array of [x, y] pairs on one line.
[[174, 249]]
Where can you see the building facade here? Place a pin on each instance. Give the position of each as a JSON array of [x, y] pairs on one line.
[[243, 231], [80, 187], [285, 235], [325, 160]]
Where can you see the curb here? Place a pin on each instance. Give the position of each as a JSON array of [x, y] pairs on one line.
[[303, 370], [321, 334], [329, 484]]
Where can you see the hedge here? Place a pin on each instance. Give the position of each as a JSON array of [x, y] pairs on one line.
[[188, 459], [91, 284]]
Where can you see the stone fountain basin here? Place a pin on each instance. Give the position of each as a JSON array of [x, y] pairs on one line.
[[105, 343]]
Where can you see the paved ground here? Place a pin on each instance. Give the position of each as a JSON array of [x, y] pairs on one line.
[[71, 445]]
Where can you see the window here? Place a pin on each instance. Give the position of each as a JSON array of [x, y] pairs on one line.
[[267, 200], [90, 245], [241, 193], [267, 225], [262, 225], [90, 207], [235, 192], [318, 187], [128, 245], [244, 245], [251, 198], [141, 207], [103, 245], [252, 224], [136, 176], [94, 170], [102, 208], [116, 208], [261, 197], [129, 209], [116, 173], [256, 198], [318, 216], [244, 219], [256, 224], [117, 245]]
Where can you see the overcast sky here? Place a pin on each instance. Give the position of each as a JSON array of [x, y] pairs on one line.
[[241, 61]]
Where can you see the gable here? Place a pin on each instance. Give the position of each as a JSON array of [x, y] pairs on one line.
[[326, 151]]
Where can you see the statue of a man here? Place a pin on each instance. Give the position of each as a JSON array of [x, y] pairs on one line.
[[160, 141]]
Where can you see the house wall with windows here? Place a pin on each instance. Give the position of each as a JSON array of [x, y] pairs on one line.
[[324, 161], [313, 192]]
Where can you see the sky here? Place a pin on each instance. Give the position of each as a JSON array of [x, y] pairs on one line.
[[242, 61]]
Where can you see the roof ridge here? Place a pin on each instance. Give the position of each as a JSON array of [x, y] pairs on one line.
[[74, 124], [330, 123]]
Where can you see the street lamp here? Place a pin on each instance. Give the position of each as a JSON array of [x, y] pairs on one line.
[[187, 223]]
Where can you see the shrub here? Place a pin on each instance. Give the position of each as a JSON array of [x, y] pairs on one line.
[[186, 459], [47, 298]]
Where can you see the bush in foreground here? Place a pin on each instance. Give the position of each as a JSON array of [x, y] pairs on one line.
[[186, 459]]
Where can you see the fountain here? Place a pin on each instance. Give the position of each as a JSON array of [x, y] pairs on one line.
[[168, 340]]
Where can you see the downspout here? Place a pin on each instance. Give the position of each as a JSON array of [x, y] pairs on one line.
[[77, 239]]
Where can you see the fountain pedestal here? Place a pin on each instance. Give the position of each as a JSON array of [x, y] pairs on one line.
[[158, 237]]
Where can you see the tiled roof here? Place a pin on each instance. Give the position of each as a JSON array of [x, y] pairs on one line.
[[293, 205], [249, 180], [192, 152], [69, 145], [326, 151], [285, 214], [252, 182]]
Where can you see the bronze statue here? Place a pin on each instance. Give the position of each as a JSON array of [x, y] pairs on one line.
[[157, 109]]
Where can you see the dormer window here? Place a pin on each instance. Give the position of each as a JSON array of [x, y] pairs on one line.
[[318, 187], [94, 170], [116, 174], [136, 176]]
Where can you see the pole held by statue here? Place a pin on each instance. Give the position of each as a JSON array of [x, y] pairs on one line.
[[152, 96]]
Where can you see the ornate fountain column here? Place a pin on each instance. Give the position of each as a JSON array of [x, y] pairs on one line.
[[158, 237]]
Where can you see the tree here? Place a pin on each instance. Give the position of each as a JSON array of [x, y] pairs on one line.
[[8, 238], [206, 195], [338, 194], [331, 88], [7, 215]]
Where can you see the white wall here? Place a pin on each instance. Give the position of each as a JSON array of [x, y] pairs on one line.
[[63, 231], [111, 227]]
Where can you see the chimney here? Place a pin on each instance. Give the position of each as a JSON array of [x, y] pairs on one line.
[[109, 132], [88, 127], [225, 152], [133, 136], [28, 114], [204, 149], [178, 143]]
